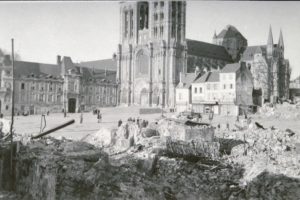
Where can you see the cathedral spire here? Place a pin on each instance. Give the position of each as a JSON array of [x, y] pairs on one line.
[[280, 41], [270, 44], [215, 38], [270, 38]]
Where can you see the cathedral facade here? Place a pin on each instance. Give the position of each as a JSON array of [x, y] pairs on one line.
[[153, 50], [151, 53]]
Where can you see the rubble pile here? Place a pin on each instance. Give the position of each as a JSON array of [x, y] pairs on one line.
[[272, 150], [280, 111], [62, 169], [273, 186], [55, 169], [101, 138]]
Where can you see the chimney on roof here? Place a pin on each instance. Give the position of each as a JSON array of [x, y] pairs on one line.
[[219, 69], [197, 70], [58, 61], [243, 65]]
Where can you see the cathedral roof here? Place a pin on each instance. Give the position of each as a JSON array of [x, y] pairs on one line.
[[229, 32], [203, 49], [108, 64], [251, 50], [23, 68]]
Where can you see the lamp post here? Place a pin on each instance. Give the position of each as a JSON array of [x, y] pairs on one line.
[[12, 114]]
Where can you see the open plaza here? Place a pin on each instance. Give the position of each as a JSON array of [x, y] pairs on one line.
[[31, 125]]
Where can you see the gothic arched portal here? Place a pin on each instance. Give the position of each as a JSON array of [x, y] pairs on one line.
[[144, 97], [142, 63]]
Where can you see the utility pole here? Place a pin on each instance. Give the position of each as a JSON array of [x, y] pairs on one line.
[[12, 112]]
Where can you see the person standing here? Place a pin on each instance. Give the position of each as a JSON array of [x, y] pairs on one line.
[[119, 123], [81, 118], [99, 117]]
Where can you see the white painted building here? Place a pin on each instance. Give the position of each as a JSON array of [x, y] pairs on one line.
[[224, 91], [183, 92]]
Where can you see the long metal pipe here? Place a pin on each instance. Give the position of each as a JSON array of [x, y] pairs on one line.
[[53, 129]]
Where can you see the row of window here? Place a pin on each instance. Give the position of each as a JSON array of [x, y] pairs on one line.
[[161, 16], [128, 31], [160, 3], [51, 87], [212, 87], [100, 99], [227, 76], [41, 98], [161, 31]]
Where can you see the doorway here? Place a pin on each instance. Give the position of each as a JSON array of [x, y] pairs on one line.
[[72, 105], [31, 110]]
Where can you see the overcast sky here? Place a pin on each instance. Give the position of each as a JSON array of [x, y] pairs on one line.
[[90, 30]]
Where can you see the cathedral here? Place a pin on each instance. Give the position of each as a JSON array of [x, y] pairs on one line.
[[154, 50], [151, 53]]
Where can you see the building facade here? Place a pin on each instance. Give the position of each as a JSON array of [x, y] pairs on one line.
[[295, 90], [183, 91], [225, 91], [152, 52], [40, 88]]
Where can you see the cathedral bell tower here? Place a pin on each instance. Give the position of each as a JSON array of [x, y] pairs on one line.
[[151, 53]]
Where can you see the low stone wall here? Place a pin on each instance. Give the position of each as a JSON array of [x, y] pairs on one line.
[[149, 111], [195, 148], [180, 131]]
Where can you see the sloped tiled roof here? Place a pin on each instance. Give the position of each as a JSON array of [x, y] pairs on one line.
[[214, 77], [202, 78], [209, 77], [187, 79], [230, 68], [108, 64], [23, 68], [229, 32], [203, 49], [251, 50], [88, 74]]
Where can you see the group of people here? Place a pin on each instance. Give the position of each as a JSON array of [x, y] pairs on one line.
[[141, 123]]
